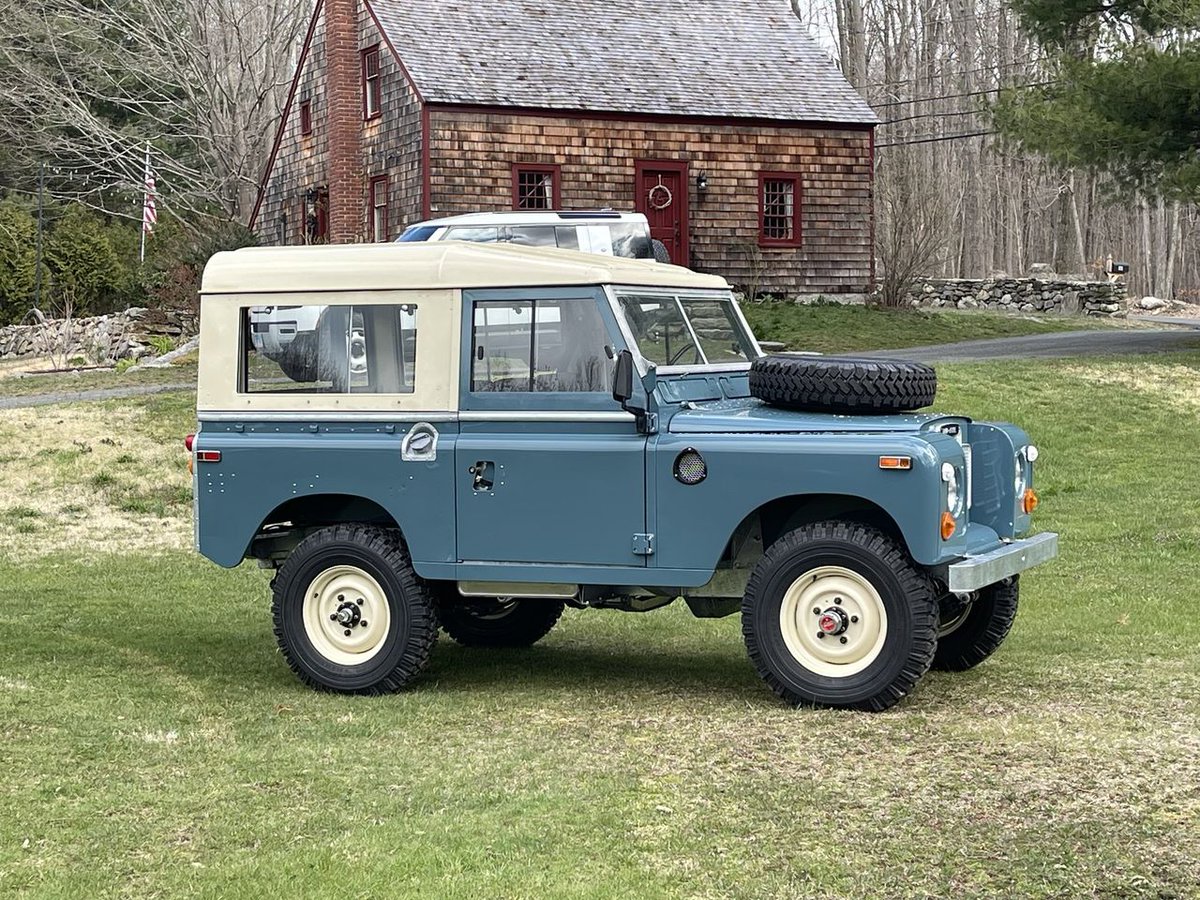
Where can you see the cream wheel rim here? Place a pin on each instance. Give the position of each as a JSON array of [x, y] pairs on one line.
[[949, 626], [845, 609], [346, 615]]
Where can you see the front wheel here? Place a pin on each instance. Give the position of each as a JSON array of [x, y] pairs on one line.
[[972, 630], [351, 615], [836, 614]]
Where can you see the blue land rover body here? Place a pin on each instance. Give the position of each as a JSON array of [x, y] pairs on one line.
[[532, 429]]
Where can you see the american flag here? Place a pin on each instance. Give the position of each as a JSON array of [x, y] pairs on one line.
[[149, 206]]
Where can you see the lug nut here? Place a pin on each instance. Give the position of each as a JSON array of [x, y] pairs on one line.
[[347, 632], [837, 600], [341, 597], [821, 635], [816, 610], [854, 618], [843, 640], [333, 617], [363, 623], [359, 602]]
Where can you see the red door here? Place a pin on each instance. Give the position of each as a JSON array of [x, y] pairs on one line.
[[661, 192]]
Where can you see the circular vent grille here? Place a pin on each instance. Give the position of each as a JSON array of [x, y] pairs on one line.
[[690, 467]]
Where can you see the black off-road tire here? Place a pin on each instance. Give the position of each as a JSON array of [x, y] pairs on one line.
[[842, 384], [497, 623], [907, 596], [979, 634], [408, 644]]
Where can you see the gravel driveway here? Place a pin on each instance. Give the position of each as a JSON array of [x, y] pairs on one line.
[[1049, 346], [99, 394]]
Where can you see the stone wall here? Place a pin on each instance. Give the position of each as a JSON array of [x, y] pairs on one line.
[[1049, 294], [99, 339]]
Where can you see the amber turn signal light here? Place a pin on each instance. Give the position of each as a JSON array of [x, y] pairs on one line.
[[1030, 501], [949, 526], [903, 463]]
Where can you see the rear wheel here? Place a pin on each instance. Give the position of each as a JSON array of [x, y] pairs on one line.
[[972, 630], [836, 614], [350, 613], [498, 622]]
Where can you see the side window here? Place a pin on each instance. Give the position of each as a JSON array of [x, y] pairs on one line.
[[540, 346], [474, 235], [330, 349], [533, 235], [568, 237]]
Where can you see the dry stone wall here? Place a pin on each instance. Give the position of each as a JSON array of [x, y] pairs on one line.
[[98, 339], [1091, 298]]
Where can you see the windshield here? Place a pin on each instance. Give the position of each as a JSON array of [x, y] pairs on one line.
[[687, 329]]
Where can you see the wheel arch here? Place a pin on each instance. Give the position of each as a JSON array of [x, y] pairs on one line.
[[290, 521]]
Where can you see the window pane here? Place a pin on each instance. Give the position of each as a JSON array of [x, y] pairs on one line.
[[568, 237], [417, 233], [502, 347], [535, 190], [631, 241], [533, 235], [779, 208], [331, 349], [661, 333], [570, 350], [721, 335], [474, 235]]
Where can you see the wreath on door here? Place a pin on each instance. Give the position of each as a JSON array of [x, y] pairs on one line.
[[660, 196]]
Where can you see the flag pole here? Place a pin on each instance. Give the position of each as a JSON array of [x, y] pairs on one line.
[[145, 200]]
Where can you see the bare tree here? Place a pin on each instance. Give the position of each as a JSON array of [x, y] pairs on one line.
[[87, 82]]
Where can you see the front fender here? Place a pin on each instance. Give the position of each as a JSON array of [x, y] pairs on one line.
[[693, 524]]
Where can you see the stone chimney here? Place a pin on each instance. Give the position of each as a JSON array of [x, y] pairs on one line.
[[345, 116]]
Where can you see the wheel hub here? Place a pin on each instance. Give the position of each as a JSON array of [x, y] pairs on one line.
[[346, 615], [833, 621]]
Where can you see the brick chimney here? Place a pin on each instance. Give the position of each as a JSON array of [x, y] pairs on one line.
[[345, 116]]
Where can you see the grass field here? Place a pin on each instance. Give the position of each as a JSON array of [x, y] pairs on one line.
[[841, 329], [154, 744]]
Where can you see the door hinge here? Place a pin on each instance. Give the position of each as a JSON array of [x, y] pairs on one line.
[[643, 545]]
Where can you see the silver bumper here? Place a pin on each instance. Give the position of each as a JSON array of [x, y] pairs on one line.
[[976, 572]]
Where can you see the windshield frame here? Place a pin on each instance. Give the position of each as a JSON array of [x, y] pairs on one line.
[[645, 366]]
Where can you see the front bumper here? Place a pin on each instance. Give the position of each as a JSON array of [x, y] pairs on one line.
[[1011, 559]]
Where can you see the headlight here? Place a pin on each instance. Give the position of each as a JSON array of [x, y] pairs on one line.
[[1021, 475], [955, 498]]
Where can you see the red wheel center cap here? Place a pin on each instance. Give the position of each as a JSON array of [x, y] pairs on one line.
[[829, 623]]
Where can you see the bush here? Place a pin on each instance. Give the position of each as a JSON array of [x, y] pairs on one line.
[[86, 273], [18, 234], [177, 256]]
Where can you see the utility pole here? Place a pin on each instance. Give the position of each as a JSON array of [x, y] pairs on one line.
[[37, 289]]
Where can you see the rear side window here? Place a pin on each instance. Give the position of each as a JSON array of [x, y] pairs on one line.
[[473, 234], [533, 235], [417, 233], [329, 349]]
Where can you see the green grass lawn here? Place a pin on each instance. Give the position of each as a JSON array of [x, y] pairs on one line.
[[154, 743], [829, 328]]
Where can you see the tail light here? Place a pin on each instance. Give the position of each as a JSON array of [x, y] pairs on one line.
[[188, 441]]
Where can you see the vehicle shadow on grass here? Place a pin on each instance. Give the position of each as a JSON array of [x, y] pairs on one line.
[[645, 668]]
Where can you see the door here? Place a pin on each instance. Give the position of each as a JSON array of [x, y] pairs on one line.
[[661, 192], [549, 470]]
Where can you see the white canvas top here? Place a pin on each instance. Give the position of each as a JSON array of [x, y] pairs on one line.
[[431, 266]]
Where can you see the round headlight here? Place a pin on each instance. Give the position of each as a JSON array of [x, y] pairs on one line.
[[1020, 479], [954, 494], [1031, 453]]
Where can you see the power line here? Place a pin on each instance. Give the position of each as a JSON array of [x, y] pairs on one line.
[[933, 115], [980, 93], [934, 140]]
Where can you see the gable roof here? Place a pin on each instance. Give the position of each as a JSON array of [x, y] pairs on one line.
[[719, 58]]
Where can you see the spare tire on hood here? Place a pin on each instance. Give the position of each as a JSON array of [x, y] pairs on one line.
[[842, 384]]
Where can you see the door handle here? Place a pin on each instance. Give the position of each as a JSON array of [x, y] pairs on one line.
[[484, 476]]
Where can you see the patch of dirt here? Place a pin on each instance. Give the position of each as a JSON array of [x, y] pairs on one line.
[[91, 479], [10, 368]]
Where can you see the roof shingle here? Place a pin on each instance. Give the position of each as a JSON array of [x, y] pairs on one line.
[[726, 58]]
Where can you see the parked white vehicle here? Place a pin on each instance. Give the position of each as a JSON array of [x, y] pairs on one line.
[[606, 232]]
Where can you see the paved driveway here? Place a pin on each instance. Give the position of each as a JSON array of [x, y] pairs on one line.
[[1046, 346]]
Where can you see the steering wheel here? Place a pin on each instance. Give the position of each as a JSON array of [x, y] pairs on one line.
[[678, 354]]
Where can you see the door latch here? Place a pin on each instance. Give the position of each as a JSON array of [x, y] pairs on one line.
[[484, 473]]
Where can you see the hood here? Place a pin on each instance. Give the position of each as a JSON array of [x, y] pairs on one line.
[[753, 416]]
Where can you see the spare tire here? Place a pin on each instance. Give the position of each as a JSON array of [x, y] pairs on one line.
[[842, 384]]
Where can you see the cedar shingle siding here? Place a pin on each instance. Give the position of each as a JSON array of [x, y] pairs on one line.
[[489, 103]]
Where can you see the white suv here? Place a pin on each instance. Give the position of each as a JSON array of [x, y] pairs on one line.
[[606, 232]]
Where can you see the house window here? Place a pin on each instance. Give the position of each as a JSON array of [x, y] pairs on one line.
[[305, 117], [372, 85], [536, 187], [379, 208], [779, 210]]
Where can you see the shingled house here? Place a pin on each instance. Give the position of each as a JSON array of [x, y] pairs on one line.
[[722, 120]]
